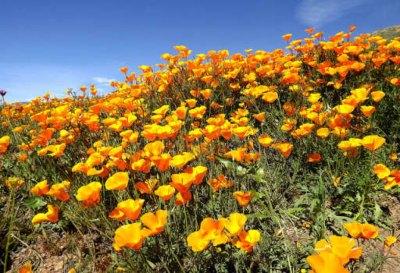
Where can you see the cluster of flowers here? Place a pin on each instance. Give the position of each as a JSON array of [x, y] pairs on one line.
[[224, 230], [333, 254], [168, 129], [391, 177]]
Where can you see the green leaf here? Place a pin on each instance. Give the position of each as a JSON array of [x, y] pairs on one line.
[[377, 212], [238, 169], [35, 203]]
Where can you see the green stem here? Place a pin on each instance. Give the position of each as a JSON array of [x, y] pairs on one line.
[[10, 228]]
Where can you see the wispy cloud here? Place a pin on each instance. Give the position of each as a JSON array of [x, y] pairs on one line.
[[319, 12], [103, 80]]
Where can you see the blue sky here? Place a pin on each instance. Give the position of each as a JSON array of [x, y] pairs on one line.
[[49, 45]]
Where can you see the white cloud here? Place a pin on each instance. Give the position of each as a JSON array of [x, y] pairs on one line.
[[103, 80], [318, 12]]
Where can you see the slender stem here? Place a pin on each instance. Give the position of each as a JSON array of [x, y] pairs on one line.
[[10, 228]]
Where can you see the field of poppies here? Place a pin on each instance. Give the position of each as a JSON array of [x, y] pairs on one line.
[[281, 161]]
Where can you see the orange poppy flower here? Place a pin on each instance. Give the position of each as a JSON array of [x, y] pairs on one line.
[[211, 230], [265, 140], [198, 173], [234, 223], [367, 110], [287, 37], [326, 262], [155, 148], [50, 216], [165, 192], [342, 247], [248, 239], [60, 191], [129, 236], [314, 157], [358, 230], [178, 161], [182, 181], [377, 96], [4, 143], [40, 189], [127, 210], [270, 96], [242, 197], [285, 148], [89, 194], [142, 165], [260, 117], [147, 186], [118, 181], [155, 222], [220, 182], [381, 171], [373, 142], [323, 132]]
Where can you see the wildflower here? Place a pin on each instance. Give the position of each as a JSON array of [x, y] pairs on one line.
[[248, 239], [393, 156], [183, 197], [55, 150], [373, 142], [367, 110], [326, 262], [155, 222], [357, 230], [182, 181], [89, 194], [155, 148], [243, 198], [40, 189], [50, 216], [4, 143], [314, 157], [165, 192], [128, 236], [198, 173], [270, 96], [211, 230], [127, 210], [220, 182], [390, 240], [234, 223], [350, 145], [196, 241], [341, 246], [381, 171], [344, 109], [22, 157], [124, 69], [260, 117], [60, 190], [287, 37], [285, 148], [118, 181], [377, 96], [181, 160], [147, 186], [265, 140]]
